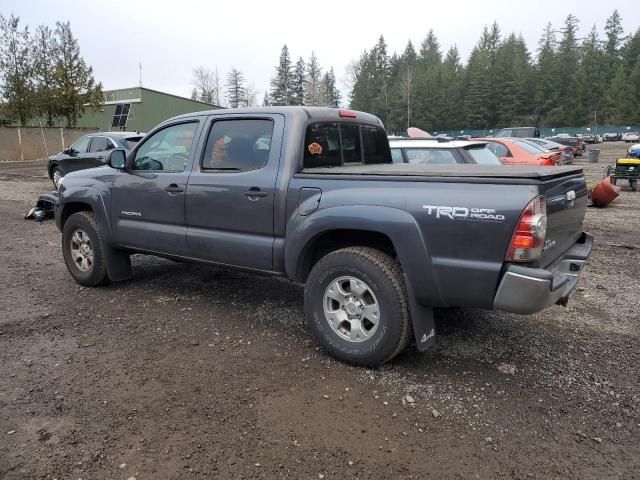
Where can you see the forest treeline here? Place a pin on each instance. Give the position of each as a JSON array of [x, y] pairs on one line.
[[567, 81]]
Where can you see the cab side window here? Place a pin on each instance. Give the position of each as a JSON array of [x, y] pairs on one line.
[[238, 145], [167, 150]]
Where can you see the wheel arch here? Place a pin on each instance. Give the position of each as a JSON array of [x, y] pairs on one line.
[[390, 230]]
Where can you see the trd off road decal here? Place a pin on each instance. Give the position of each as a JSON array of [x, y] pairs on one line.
[[464, 213], [314, 148]]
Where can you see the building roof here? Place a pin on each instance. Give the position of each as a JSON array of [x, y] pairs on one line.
[[158, 92]]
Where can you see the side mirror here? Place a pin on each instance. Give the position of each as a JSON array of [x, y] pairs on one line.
[[117, 158]]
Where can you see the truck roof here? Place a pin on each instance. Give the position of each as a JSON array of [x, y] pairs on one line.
[[311, 113]]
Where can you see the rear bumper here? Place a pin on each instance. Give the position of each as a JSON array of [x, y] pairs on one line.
[[528, 290]]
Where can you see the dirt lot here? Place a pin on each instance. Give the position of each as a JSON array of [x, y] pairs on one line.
[[193, 372]]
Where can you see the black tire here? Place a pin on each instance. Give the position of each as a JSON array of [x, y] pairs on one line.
[[53, 175], [613, 180], [384, 278], [633, 184], [96, 273]]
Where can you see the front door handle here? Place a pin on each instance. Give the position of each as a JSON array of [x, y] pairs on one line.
[[254, 192], [174, 188]]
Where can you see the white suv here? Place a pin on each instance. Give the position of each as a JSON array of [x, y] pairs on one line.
[[441, 152]]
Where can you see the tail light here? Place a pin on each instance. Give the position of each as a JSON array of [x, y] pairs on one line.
[[546, 162], [528, 238]]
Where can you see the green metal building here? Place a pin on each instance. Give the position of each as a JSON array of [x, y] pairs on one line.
[[137, 109]]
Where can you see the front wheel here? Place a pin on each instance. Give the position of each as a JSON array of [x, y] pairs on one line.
[[356, 306], [56, 175], [83, 250]]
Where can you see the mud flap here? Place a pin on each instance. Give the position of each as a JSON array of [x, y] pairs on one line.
[[118, 264], [422, 320]]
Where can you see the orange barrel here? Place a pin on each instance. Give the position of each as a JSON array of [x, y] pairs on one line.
[[604, 193]]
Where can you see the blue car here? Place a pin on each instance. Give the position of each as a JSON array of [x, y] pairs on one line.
[[634, 151]]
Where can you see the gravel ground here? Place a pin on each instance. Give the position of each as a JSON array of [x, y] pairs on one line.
[[193, 372]]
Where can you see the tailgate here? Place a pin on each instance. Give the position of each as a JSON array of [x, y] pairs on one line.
[[566, 199]]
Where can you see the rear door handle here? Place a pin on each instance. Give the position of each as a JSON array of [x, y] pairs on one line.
[[174, 188], [255, 192]]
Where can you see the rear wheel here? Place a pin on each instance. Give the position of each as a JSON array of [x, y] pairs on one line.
[[633, 184], [356, 306], [83, 251]]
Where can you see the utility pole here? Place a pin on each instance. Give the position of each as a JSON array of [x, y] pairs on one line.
[[140, 74]]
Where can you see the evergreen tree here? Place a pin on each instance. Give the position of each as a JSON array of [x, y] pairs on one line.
[[330, 93], [44, 50], [427, 112], [75, 86], [491, 43], [405, 87], [614, 31], [511, 78], [452, 111], [546, 79], [568, 61], [298, 79], [281, 83], [618, 97], [591, 80], [313, 92], [631, 51], [16, 70], [477, 89], [236, 89]]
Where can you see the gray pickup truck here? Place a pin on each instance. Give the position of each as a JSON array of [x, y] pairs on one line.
[[312, 194]]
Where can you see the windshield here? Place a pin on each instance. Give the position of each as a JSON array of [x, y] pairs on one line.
[[483, 156]]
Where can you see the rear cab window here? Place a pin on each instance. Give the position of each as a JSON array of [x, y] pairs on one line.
[[333, 144]]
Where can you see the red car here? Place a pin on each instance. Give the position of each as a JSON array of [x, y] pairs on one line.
[[513, 151]]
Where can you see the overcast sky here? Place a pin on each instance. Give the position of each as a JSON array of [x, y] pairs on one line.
[[170, 38]]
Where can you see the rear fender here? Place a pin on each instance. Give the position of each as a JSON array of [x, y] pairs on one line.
[[399, 226]]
